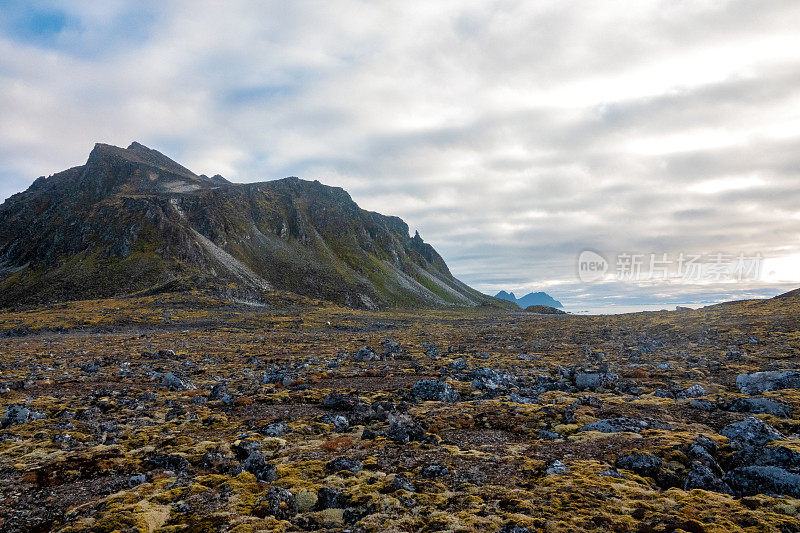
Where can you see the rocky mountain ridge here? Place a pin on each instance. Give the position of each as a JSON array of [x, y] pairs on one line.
[[134, 220]]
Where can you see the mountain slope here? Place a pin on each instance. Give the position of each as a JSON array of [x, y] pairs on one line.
[[133, 219]]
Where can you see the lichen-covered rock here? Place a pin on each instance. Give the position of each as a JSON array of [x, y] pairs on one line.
[[432, 390], [750, 433], [751, 480], [277, 502], [759, 382]]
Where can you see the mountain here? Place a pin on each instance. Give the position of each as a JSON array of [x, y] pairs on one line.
[[508, 296], [132, 220], [532, 298]]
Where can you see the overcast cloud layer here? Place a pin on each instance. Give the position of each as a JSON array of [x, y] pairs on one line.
[[513, 135]]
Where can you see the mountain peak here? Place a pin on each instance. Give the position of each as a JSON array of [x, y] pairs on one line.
[[132, 219]]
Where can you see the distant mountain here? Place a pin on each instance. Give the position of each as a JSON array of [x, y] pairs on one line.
[[533, 298], [131, 219], [508, 296]]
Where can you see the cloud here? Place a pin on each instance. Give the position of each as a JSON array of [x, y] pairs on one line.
[[512, 134]]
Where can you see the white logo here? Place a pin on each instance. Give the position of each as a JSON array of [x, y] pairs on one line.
[[591, 266]]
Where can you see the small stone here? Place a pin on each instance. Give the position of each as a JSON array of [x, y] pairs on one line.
[[555, 468]]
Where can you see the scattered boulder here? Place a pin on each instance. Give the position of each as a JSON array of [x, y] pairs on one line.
[[390, 347], [750, 433], [695, 391], [430, 349], [752, 480], [594, 380], [219, 392], [404, 429], [459, 364], [488, 379], [401, 482], [277, 502], [779, 456], [344, 463], [555, 468], [616, 425], [761, 406], [341, 402], [434, 470], [432, 390], [174, 383], [365, 353], [330, 498], [643, 464], [19, 414], [136, 479], [759, 382], [702, 477], [275, 429], [257, 465]]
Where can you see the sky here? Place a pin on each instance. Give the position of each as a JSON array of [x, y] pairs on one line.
[[512, 134]]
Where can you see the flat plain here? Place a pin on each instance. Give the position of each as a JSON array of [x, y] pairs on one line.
[[186, 412]]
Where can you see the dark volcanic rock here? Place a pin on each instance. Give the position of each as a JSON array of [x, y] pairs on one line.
[[750, 433], [277, 502], [343, 463], [642, 463], [761, 406], [432, 390], [751, 480], [330, 498], [702, 477], [257, 465]]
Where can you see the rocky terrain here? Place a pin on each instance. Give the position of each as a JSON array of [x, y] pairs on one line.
[[190, 412], [131, 220]]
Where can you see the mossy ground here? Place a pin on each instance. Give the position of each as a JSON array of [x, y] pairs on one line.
[[85, 366]]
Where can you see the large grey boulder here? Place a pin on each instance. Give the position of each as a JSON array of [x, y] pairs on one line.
[[750, 433], [761, 406], [594, 380], [751, 480], [759, 382]]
